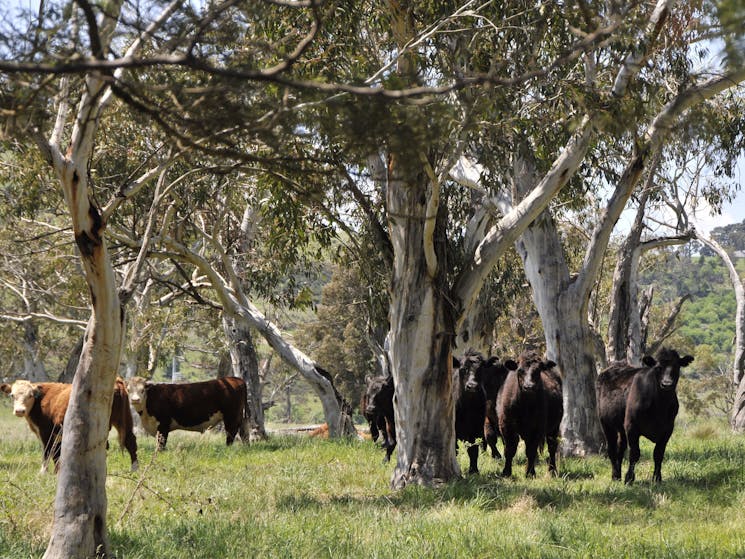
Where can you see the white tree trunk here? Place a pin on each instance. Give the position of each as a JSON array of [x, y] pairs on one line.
[[738, 376], [625, 327], [624, 300], [238, 307], [245, 364], [569, 339], [421, 335], [79, 528]]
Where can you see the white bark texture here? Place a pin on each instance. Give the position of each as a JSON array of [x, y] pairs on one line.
[[79, 528], [569, 340], [245, 364], [420, 341]]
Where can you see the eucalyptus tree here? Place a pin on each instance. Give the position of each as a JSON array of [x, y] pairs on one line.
[[696, 168], [67, 142], [241, 246], [562, 295], [430, 301], [411, 150]]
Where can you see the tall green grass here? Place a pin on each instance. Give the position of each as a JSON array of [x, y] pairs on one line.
[[296, 497]]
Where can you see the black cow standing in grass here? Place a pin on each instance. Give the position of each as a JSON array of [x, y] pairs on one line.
[[470, 404], [378, 401], [479, 380], [639, 401], [530, 406], [493, 375], [372, 420]]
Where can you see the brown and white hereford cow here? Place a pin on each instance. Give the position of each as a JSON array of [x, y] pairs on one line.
[[192, 406], [44, 405]]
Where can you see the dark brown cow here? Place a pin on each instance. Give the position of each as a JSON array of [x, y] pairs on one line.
[[470, 405], [193, 406], [530, 406], [379, 406], [44, 405], [639, 401], [375, 422], [493, 376]]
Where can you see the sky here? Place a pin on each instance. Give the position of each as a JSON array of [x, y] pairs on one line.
[[732, 212]]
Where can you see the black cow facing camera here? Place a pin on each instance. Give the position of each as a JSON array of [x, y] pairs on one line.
[[638, 402]]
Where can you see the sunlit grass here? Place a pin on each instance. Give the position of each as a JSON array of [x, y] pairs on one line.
[[307, 498]]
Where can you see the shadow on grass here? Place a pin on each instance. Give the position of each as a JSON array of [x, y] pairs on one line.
[[575, 487]]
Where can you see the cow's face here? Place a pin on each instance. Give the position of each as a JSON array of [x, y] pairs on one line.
[[378, 390], [470, 372], [667, 368], [136, 389], [23, 394], [529, 371]]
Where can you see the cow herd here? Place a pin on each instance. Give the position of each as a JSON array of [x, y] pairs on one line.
[[508, 400], [524, 400]]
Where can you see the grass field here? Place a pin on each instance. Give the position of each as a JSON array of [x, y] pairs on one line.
[[298, 497]]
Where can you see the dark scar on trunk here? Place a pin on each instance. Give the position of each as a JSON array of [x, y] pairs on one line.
[[87, 241]]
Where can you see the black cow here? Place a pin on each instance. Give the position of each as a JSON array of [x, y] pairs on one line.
[[470, 405], [478, 382], [639, 401], [493, 375], [529, 406], [379, 406], [372, 420]]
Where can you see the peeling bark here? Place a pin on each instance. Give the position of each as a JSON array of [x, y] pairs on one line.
[[245, 364], [421, 335], [79, 527], [569, 339]]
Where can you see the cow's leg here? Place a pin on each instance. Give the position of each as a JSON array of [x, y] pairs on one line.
[[510, 448], [620, 452], [490, 439], [473, 458], [127, 441], [615, 450], [632, 436], [46, 452], [161, 437], [531, 452], [52, 449], [374, 433], [552, 441], [659, 454], [389, 451], [390, 440], [130, 443], [231, 430]]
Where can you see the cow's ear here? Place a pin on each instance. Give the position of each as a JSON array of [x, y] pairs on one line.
[[548, 364], [456, 362], [493, 360], [510, 365], [649, 361], [5, 388], [686, 360]]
